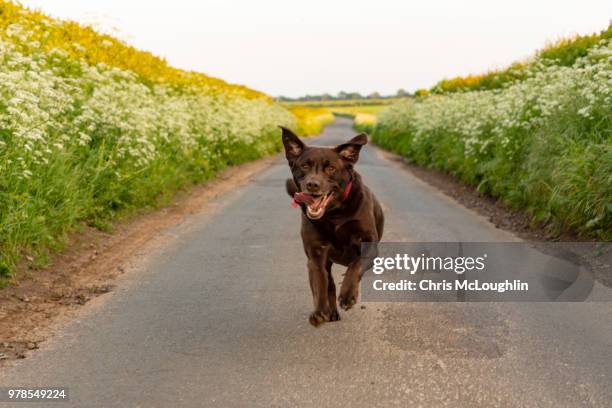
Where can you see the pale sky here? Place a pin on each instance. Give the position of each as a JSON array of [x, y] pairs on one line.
[[292, 48]]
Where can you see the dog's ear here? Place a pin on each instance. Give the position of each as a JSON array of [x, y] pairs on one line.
[[349, 151], [293, 145], [291, 187]]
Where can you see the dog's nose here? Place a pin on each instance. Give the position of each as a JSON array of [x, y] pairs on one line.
[[313, 186]]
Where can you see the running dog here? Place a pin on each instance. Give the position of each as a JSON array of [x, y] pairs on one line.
[[339, 212]]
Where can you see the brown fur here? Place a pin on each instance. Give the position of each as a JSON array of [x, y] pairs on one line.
[[336, 237]]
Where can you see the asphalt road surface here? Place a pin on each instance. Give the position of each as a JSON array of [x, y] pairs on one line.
[[219, 318]]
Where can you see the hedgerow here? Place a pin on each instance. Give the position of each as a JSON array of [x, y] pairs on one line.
[[564, 52], [84, 138], [543, 143]]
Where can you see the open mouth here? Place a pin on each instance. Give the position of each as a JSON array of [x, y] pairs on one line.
[[315, 208]]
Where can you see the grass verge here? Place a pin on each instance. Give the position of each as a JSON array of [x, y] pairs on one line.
[[543, 144], [92, 129]]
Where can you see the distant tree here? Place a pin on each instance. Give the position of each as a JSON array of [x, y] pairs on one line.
[[343, 95]]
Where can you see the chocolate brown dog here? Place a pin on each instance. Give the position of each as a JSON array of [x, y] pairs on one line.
[[338, 213]]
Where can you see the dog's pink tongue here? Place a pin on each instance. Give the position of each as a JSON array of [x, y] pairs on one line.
[[302, 198]]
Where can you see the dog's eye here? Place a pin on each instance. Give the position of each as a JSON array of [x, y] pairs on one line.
[[305, 166], [330, 169]]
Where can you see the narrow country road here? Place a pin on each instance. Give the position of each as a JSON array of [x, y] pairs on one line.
[[219, 318]]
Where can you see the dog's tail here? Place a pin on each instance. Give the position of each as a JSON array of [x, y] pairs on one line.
[[291, 187]]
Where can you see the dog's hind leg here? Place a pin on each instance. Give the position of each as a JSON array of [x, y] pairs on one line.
[[331, 293], [349, 291]]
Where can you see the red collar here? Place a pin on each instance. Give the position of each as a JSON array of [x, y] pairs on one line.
[[347, 191]]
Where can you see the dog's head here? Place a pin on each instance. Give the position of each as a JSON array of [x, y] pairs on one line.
[[322, 172]]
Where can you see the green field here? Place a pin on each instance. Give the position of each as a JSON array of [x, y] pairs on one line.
[[344, 102], [357, 109]]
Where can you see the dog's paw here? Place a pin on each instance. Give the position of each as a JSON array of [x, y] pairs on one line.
[[347, 301], [316, 318], [335, 316]]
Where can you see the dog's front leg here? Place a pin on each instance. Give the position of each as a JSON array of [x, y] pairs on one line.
[[331, 294], [319, 282]]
